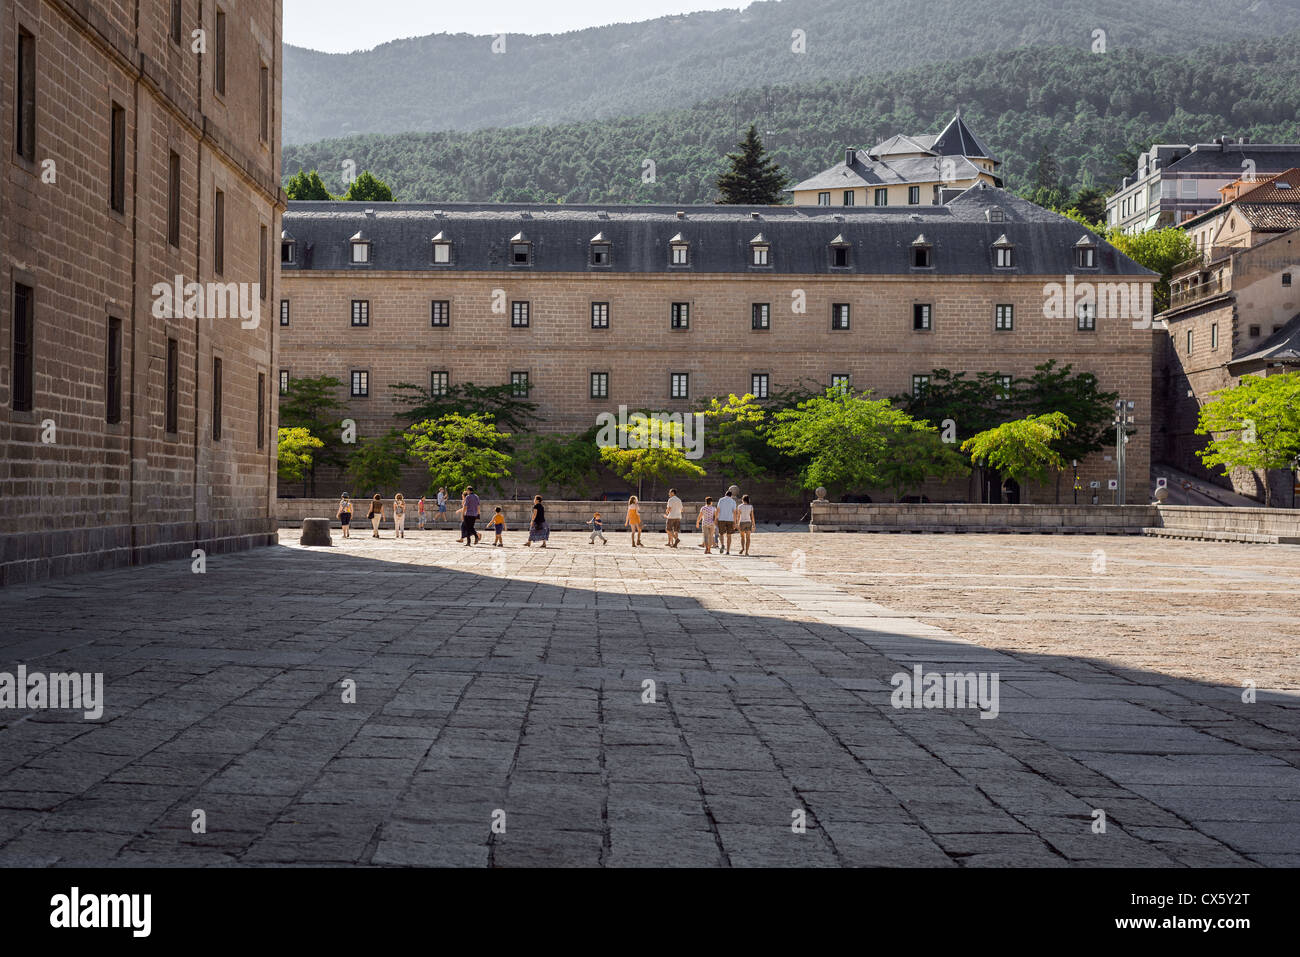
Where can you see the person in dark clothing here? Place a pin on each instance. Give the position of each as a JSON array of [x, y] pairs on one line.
[[538, 529], [469, 512]]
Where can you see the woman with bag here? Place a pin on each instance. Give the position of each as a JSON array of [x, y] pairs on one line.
[[538, 529], [376, 514]]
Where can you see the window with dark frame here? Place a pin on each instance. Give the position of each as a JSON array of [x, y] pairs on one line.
[[1189, 342], [441, 253], [219, 54], [172, 415], [284, 312], [921, 258], [680, 385], [360, 312], [841, 382], [840, 316], [761, 315], [914, 196], [919, 384], [117, 159], [176, 26], [440, 313], [439, 383], [849, 197], [759, 385], [216, 399], [920, 316], [521, 254], [1087, 317], [284, 381], [264, 96], [1004, 257], [680, 254], [600, 315], [1286, 279], [23, 378], [263, 262], [25, 97], [113, 372], [286, 252], [360, 252], [1005, 382], [174, 199], [1004, 317], [600, 385], [600, 254], [519, 385], [519, 314], [1085, 257], [882, 197], [219, 232], [760, 254], [823, 199], [681, 315], [261, 410], [1254, 332], [360, 384], [840, 256], [1214, 336]]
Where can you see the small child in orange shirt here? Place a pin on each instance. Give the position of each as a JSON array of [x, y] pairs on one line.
[[498, 525]]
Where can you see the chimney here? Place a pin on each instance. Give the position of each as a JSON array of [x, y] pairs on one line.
[[850, 155]]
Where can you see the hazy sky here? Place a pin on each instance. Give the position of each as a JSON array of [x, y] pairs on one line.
[[339, 26]]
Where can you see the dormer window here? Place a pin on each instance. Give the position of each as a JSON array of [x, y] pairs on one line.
[[679, 251], [1004, 253], [521, 250], [600, 248], [760, 251], [840, 252], [287, 244], [921, 250], [1085, 254], [994, 214], [360, 249], [441, 250]]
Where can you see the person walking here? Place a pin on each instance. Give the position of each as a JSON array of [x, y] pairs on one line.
[[726, 521], [673, 519], [539, 530], [745, 523], [345, 515], [399, 515], [597, 530], [442, 505], [498, 524], [633, 520], [376, 514], [420, 512], [707, 521], [469, 512]]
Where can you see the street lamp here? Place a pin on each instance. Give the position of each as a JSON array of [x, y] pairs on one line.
[[1075, 464]]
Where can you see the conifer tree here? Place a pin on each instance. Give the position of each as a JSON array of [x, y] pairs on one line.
[[754, 178]]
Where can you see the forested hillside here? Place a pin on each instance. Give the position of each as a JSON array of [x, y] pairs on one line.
[[457, 82], [1054, 116]]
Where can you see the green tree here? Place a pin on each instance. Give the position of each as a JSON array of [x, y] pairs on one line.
[[460, 450], [1079, 397], [367, 188], [754, 178], [564, 463], [306, 185], [1021, 449], [972, 404], [913, 454], [294, 452], [311, 404], [1255, 425], [499, 402], [654, 450], [736, 446], [1160, 250], [1091, 204], [376, 464]]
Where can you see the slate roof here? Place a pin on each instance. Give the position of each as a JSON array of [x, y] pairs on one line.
[[1281, 346], [880, 237], [900, 143], [958, 140], [1209, 158], [887, 172]]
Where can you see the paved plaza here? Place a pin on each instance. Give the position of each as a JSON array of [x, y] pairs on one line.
[[503, 712]]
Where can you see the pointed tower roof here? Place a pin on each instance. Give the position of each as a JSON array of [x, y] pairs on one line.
[[958, 140]]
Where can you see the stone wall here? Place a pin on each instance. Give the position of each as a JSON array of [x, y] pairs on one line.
[[1071, 519]]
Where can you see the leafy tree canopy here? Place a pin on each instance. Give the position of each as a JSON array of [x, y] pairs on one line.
[[1255, 425]]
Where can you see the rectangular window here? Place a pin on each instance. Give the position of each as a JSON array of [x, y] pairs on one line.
[[176, 21], [600, 254], [284, 381], [113, 372], [760, 255], [841, 382], [1003, 256], [519, 385], [263, 262], [219, 232], [1286, 279], [840, 316], [264, 96], [441, 253], [24, 348], [848, 197], [914, 196], [680, 252], [761, 315], [1004, 318], [261, 410], [1254, 332], [823, 199], [360, 384], [519, 314], [25, 100], [174, 199], [1189, 342], [681, 315], [600, 315], [839, 256], [117, 159], [680, 385], [173, 411], [882, 197], [216, 400], [284, 312], [521, 254], [1085, 257], [919, 384], [1187, 188], [1005, 382], [1214, 336], [219, 54], [921, 257], [921, 316], [600, 385], [759, 385], [440, 312], [286, 253], [361, 252], [439, 383], [1087, 316], [360, 312]]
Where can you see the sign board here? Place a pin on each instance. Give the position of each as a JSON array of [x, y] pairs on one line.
[[1107, 458], [1112, 484], [1094, 485], [1162, 483]]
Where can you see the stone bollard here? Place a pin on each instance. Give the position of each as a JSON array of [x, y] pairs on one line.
[[315, 532]]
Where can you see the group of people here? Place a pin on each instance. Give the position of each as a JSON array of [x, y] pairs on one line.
[[719, 523]]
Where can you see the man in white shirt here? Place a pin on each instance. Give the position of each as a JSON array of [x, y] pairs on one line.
[[673, 517], [726, 520]]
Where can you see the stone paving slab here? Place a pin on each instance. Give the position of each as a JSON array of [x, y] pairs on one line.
[[503, 715]]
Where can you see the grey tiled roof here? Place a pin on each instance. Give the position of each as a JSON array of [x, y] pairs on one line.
[[719, 237], [890, 172], [1281, 346], [1208, 157], [958, 140]]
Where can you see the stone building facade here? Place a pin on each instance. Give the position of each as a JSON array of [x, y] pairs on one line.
[[656, 308], [142, 155]]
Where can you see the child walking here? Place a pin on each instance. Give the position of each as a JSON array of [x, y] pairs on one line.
[[399, 515], [419, 508], [597, 530], [498, 523]]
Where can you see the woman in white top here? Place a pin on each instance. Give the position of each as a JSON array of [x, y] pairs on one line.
[[745, 523], [399, 515]]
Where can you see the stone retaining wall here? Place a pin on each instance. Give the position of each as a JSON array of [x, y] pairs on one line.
[[1027, 519], [1271, 526]]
